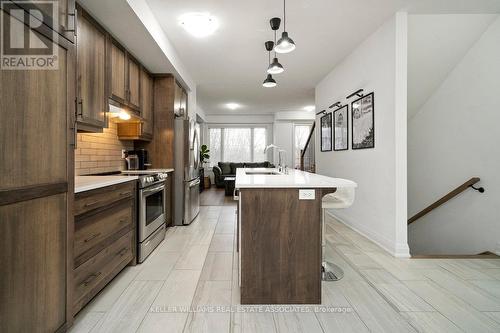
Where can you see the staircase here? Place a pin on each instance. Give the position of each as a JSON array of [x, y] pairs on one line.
[[307, 158], [469, 184]]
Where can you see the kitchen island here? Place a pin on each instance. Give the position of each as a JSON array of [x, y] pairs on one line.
[[279, 234]]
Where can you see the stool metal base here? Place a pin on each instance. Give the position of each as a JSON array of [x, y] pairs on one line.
[[331, 272]]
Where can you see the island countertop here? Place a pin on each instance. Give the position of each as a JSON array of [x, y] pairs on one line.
[[250, 178]]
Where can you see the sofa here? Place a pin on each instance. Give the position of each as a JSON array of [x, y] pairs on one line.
[[228, 169]]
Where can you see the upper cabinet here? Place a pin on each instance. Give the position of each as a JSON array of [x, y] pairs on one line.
[[58, 15], [125, 78], [118, 72], [147, 102], [134, 70], [92, 99]]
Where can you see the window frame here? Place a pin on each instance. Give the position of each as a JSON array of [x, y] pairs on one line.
[[252, 127]]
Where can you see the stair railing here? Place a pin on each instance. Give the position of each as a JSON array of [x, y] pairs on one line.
[[468, 184], [307, 160]]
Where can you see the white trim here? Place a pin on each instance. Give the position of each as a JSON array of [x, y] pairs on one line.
[[396, 250], [401, 125]]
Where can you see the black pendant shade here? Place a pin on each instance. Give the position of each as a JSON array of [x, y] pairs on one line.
[[269, 82]]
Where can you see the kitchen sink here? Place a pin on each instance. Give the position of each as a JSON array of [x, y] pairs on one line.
[[262, 173]]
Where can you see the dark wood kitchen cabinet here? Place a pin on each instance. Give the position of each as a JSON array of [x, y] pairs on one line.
[[92, 99], [118, 72], [64, 24], [124, 72], [36, 192], [133, 82], [104, 238], [147, 96]]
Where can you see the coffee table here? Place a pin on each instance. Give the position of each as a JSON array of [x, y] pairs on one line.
[[229, 185]]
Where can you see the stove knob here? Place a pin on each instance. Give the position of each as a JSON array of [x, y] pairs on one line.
[[151, 179]]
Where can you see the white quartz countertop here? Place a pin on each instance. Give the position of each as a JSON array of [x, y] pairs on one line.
[[87, 183], [294, 179]]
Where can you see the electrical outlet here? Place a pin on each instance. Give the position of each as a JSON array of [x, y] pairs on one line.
[[307, 194], [123, 153]]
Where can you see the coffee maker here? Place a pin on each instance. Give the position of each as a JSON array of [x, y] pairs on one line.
[[142, 158]]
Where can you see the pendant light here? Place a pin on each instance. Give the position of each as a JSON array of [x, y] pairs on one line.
[[269, 82], [285, 44], [275, 67]]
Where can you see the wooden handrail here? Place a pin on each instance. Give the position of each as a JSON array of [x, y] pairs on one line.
[[308, 140], [444, 199]]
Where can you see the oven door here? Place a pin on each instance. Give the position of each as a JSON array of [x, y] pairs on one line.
[[152, 208]]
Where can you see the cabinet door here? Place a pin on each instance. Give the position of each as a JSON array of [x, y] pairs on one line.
[[134, 83], [147, 103], [91, 73], [63, 23], [36, 190], [118, 72]]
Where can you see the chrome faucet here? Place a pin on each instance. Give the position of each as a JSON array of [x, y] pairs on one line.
[[282, 167]]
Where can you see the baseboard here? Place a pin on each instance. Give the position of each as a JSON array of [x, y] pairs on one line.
[[396, 250]]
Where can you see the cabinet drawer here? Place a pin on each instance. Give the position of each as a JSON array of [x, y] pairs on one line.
[[94, 274], [89, 200], [92, 232]]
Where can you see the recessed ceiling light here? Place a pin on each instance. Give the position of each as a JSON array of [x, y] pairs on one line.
[[309, 108], [233, 106], [199, 24]]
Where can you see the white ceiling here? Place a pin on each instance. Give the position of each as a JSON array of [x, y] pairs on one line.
[[436, 44], [230, 65]]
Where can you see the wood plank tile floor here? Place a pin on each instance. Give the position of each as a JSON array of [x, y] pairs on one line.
[[195, 268]]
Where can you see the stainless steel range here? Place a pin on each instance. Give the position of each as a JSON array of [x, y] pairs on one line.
[[151, 209]]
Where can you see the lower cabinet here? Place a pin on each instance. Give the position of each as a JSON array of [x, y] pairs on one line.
[[104, 239]]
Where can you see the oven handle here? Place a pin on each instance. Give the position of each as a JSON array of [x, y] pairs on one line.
[[194, 183], [153, 190]]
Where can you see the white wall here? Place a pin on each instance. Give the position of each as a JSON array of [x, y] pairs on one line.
[[454, 137], [381, 180]]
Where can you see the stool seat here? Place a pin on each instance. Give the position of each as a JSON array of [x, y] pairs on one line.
[[342, 198]]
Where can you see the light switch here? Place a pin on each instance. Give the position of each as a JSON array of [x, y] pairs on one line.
[[307, 194]]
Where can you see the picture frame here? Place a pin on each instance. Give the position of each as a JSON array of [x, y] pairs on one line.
[[363, 122], [341, 128], [326, 132]]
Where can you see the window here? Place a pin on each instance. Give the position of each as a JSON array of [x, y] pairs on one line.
[[237, 144], [301, 134]]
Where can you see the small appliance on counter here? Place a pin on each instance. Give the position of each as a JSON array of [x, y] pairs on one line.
[[139, 160]]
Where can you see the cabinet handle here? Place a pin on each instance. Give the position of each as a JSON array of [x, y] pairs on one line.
[[81, 108], [125, 193], [88, 204], [91, 278], [91, 237], [122, 252], [75, 22]]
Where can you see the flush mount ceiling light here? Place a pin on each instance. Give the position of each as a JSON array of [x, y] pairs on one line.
[[199, 24], [285, 44], [233, 106], [269, 82], [275, 67], [310, 108]]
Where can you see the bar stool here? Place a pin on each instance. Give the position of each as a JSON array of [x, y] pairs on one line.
[[340, 199]]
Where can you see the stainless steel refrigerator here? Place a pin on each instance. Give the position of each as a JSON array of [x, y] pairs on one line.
[[187, 162]]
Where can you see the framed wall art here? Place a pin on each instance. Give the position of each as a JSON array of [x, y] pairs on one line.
[[363, 122], [341, 129], [326, 132]]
